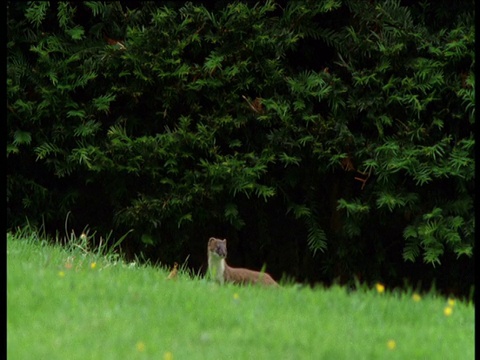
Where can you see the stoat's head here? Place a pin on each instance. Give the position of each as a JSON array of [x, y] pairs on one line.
[[217, 247]]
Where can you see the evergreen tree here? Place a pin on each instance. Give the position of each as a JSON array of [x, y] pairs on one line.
[[332, 135]]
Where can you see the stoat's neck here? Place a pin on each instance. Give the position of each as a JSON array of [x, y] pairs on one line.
[[216, 267]]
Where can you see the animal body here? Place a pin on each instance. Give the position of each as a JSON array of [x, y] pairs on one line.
[[219, 270]]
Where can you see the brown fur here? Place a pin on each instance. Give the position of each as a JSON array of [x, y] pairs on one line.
[[221, 272]]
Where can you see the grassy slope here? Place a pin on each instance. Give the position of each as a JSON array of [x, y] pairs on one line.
[[59, 307]]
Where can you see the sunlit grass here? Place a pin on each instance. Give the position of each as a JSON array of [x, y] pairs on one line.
[[77, 304]]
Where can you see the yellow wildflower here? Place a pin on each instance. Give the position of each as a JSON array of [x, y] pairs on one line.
[[140, 346], [236, 296], [61, 274], [391, 344], [380, 288], [448, 311], [93, 265], [416, 297], [168, 356], [451, 302]]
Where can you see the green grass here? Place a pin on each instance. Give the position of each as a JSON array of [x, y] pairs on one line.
[[59, 306]]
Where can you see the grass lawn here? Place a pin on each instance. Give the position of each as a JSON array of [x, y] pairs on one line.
[[70, 304]]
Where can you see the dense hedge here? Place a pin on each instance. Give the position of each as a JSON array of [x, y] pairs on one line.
[[330, 139]]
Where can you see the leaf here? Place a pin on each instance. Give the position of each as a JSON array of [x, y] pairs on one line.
[[213, 62], [98, 7], [299, 211], [354, 207], [86, 129], [410, 232], [147, 239], [102, 103], [22, 137], [289, 160], [264, 191], [76, 33], [12, 149], [46, 149], [76, 113], [186, 217], [434, 214], [316, 238], [82, 156], [432, 254], [36, 12], [388, 200], [232, 215], [411, 250], [231, 211]]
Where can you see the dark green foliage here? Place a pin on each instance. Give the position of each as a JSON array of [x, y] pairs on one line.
[[343, 127]]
